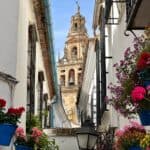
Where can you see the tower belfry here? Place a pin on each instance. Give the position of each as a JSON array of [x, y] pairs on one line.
[[70, 66]]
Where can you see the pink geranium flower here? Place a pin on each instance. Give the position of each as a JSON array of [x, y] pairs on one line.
[[36, 134], [119, 132], [138, 93], [148, 87], [20, 132], [148, 148]]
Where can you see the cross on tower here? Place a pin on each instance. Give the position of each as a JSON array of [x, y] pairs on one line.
[[78, 7]]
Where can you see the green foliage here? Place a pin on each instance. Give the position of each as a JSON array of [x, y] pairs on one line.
[[2, 115], [12, 119], [32, 122], [45, 113], [46, 144]]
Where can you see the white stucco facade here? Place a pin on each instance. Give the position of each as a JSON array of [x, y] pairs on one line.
[[16, 16], [116, 42], [88, 89]]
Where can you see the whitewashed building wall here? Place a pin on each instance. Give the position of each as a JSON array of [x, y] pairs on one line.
[[116, 44], [16, 16]]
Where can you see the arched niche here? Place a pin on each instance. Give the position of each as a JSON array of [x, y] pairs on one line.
[[71, 77]]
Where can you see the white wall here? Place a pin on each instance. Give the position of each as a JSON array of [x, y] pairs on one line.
[[8, 39], [117, 43], [88, 76], [15, 18], [21, 64], [8, 46]]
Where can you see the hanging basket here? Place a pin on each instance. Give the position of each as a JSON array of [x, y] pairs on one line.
[[145, 117], [134, 148], [6, 133], [22, 147]]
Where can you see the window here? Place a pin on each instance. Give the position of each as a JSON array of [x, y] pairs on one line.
[[31, 68], [74, 53], [40, 95], [71, 77], [80, 69], [75, 26], [46, 117], [62, 80], [62, 71]]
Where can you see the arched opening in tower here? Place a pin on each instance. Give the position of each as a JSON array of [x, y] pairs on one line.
[[71, 77]]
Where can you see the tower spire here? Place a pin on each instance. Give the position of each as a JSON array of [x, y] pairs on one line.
[[78, 7]]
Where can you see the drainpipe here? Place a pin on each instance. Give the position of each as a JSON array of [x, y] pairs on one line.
[[51, 46], [52, 58]]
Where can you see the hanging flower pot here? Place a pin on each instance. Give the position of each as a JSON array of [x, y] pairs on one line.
[[22, 147], [6, 133], [145, 117], [135, 148]]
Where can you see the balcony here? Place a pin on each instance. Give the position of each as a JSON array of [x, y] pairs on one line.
[[138, 14]]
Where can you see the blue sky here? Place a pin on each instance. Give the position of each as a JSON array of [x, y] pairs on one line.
[[61, 11]]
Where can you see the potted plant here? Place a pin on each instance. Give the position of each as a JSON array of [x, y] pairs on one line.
[[8, 122], [27, 142], [36, 140], [46, 144], [129, 137], [145, 142], [131, 93], [141, 94]]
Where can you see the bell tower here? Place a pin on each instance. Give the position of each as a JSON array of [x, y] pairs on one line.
[[70, 66]]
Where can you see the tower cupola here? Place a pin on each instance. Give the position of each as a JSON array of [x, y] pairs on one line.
[[77, 23]]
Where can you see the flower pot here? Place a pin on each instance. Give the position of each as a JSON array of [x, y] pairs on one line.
[[145, 117], [6, 133], [134, 148], [146, 83], [22, 147]]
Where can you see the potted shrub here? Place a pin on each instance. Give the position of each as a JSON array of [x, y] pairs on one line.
[[129, 137], [8, 122]]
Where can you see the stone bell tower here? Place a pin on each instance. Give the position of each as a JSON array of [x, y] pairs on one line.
[[70, 66]]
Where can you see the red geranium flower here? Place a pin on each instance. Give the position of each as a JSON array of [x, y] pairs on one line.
[[16, 111], [144, 60], [2, 103], [12, 116]]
